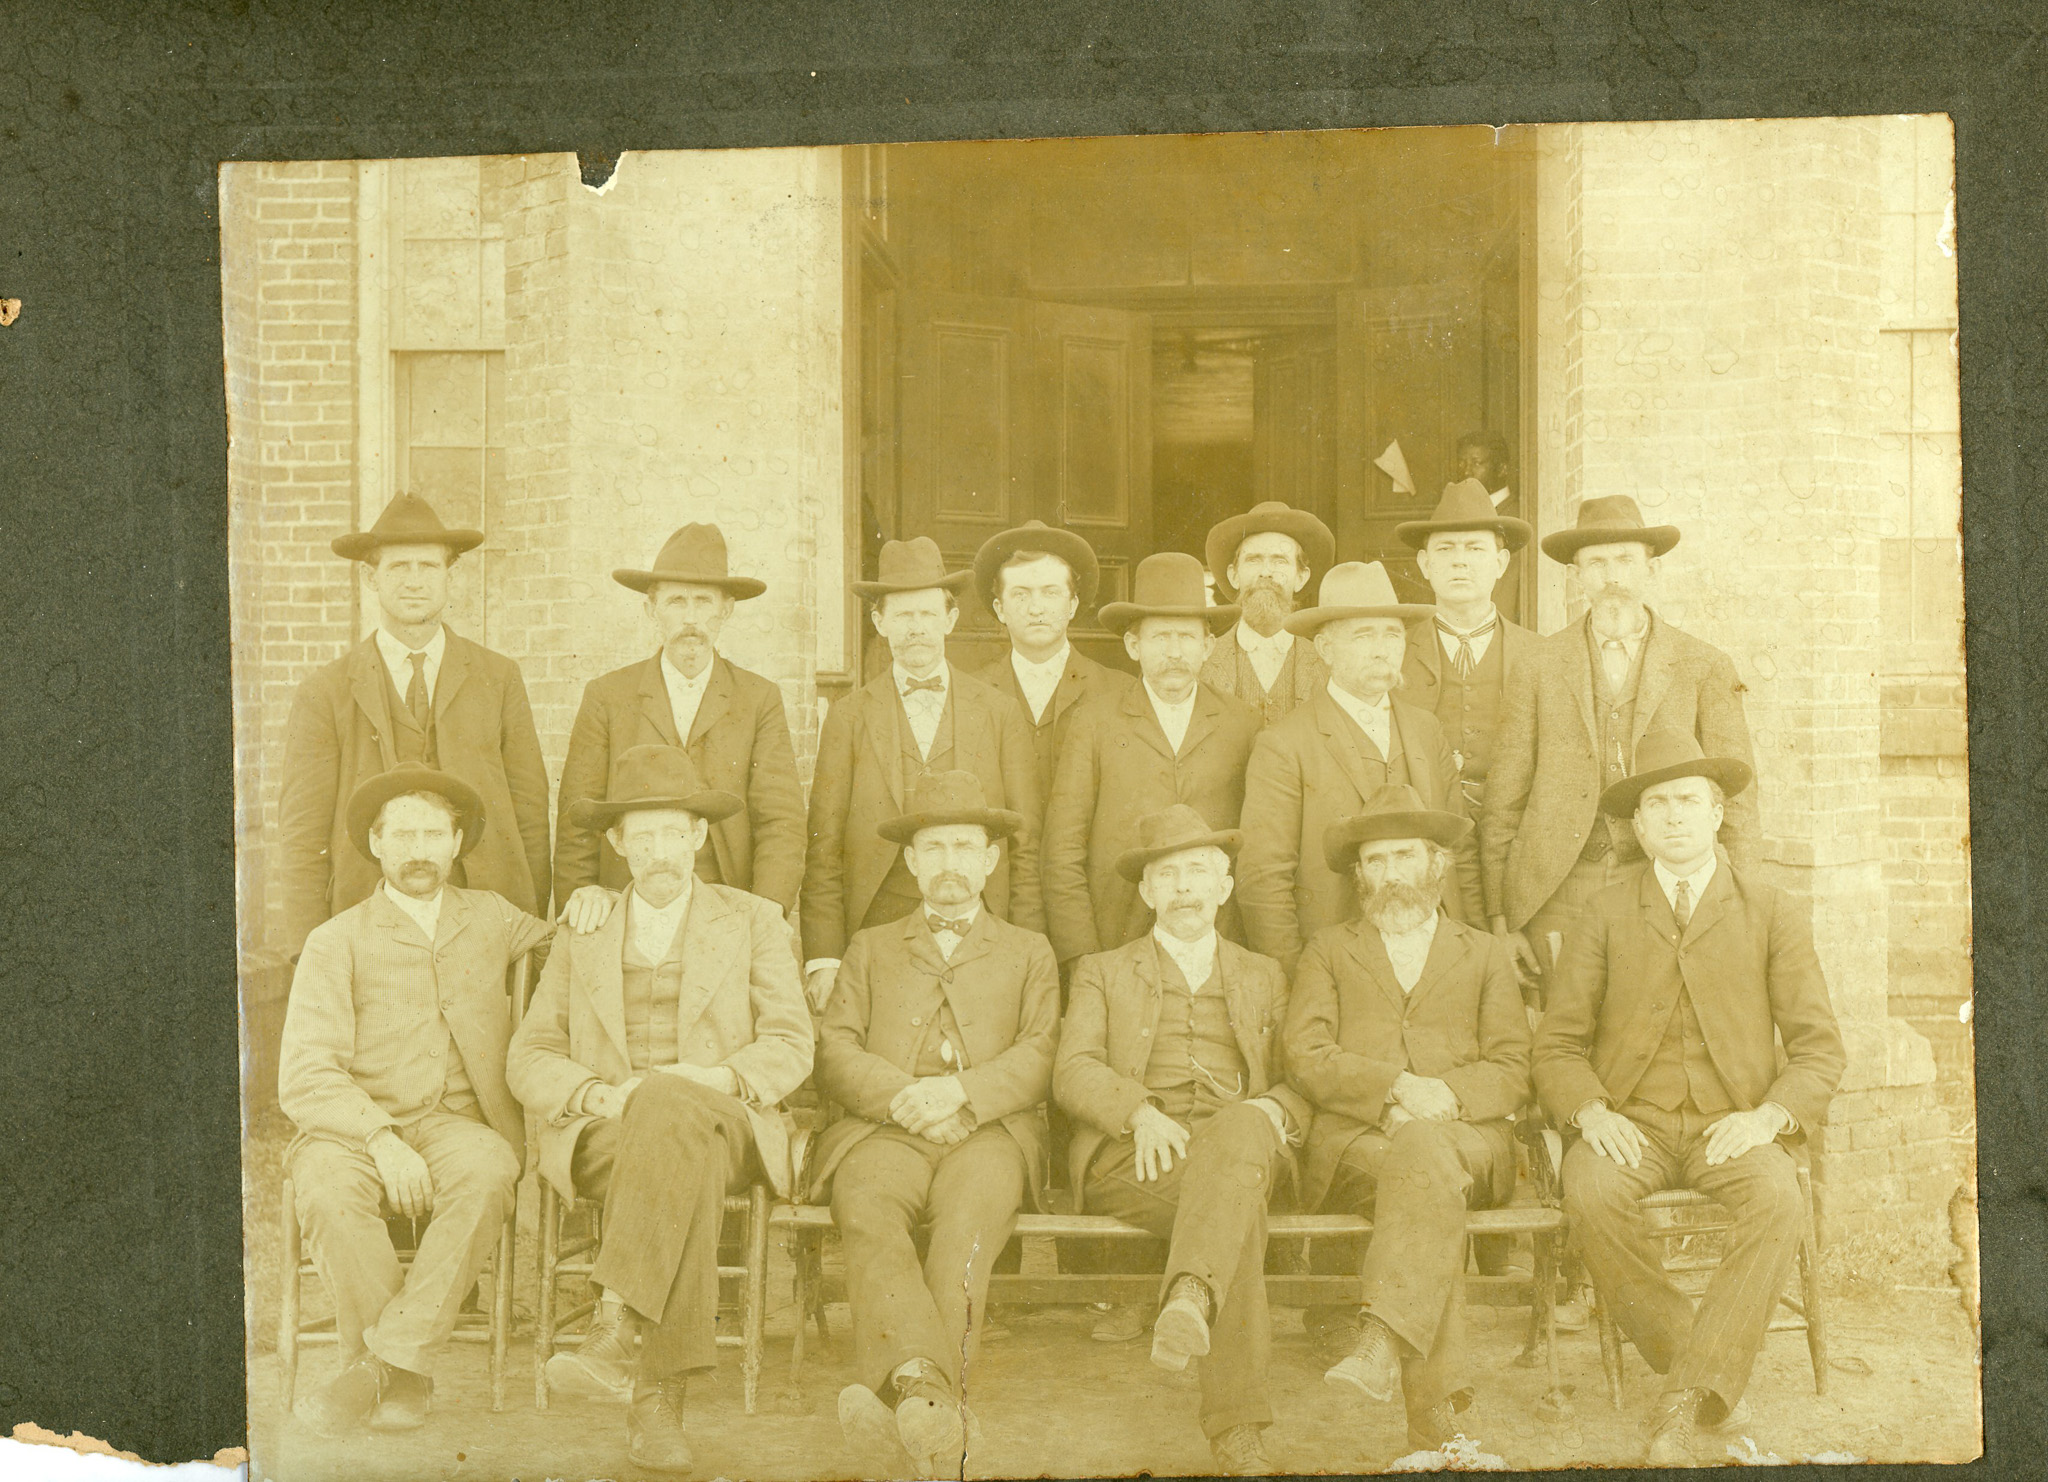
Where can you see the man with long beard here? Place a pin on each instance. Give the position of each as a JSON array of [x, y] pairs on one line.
[[1263, 561], [1406, 1032]]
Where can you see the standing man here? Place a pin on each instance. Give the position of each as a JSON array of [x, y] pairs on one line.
[[730, 720], [1407, 1032], [1035, 579], [919, 717], [1458, 666], [1263, 560], [1333, 753], [938, 1045], [1482, 457], [1575, 714], [411, 692], [1169, 1064], [1689, 1036], [655, 1059], [1168, 739]]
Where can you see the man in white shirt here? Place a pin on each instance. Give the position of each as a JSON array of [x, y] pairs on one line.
[[1170, 1069], [1264, 560], [1406, 1031]]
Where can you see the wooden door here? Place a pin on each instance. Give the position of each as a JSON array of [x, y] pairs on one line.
[[1294, 423]]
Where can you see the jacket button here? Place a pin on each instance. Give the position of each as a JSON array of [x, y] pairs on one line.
[[1146, 1033], [436, 1054], [914, 1023]]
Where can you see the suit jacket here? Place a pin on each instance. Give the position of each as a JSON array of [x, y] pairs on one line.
[[1543, 787], [741, 1005], [1106, 1040], [1351, 1031], [856, 788], [739, 742], [1084, 680], [1116, 767], [359, 1051], [1004, 990], [340, 735], [1307, 772], [1749, 965], [1220, 671], [1422, 670]]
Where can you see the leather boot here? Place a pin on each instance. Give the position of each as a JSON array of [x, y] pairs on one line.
[[600, 1369], [928, 1418], [654, 1426], [348, 1399], [1181, 1331], [1674, 1429], [1374, 1366]]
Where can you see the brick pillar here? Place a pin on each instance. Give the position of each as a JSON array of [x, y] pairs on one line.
[[1713, 293]]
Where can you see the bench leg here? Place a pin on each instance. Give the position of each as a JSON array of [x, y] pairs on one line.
[[1555, 1405], [288, 1305], [1610, 1347], [501, 1315], [544, 1304], [755, 1298], [1809, 1288]]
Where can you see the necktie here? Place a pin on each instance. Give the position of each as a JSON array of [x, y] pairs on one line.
[[416, 691], [1681, 904], [1614, 659], [936, 684], [1462, 660], [957, 926]]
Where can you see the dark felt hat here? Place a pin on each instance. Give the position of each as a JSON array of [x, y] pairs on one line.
[[1465, 506], [369, 799], [1169, 832], [1396, 811], [1355, 589], [407, 520], [1168, 584], [940, 798], [1612, 519], [1666, 755], [1318, 545], [1035, 535], [913, 565], [695, 554], [655, 777]]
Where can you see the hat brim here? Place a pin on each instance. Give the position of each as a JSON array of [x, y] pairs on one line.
[[1341, 839], [952, 581], [1000, 822], [711, 805], [1121, 617], [1415, 534], [739, 587], [1303, 624], [363, 545], [1318, 545], [1131, 863], [1565, 544], [1069, 547], [1619, 801], [369, 798]]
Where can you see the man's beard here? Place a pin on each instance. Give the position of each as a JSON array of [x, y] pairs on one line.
[[1398, 907], [1265, 604]]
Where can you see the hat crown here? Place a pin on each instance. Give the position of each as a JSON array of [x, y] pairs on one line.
[[911, 564], [408, 514], [1169, 579], [1609, 512], [1171, 826], [1394, 797], [1464, 500], [654, 772], [695, 549], [1668, 747], [947, 792], [1357, 584]]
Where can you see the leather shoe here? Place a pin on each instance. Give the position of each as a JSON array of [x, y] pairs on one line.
[[654, 1427], [1373, 1368], [407, 1398], [348, 1399], [870, 1430], [600, 1369], [1123, 1322], [1429, 1430], [928, 1419], [1240, 1452], [1674, 1428], [1181, 1331]]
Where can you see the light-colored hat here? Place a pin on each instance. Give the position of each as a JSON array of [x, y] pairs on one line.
[[1355, 589], [1168, 584]]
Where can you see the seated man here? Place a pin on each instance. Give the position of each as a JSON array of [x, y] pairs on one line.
[[1169, 1065], [656, 1055], [1660, 1044], [392, 1067], [1406, 1030], [937, 1044]]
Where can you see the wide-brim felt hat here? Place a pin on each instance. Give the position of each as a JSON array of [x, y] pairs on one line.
[[1171, 831], [1465, 506], [1612, 519], [1665, 756], [1036, 535], [694, 554], [655, 777], [1355, 589], [1318, 545], [371, 795], [1168, 584], [941, 798], [914, 565], [406, 520], [1396, 811]]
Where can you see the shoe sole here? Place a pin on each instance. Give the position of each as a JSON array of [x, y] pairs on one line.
[[932, 1434], [385, 1425], [1351, 1377], [667, 1468], [569, 1376], [869, 1427], [1178, 1336]]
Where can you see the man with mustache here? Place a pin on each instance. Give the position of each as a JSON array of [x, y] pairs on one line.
[[392, 1068], [1571, 720], [1407, 1033], [730, 720], [1329, 756], [937, 1046], [1168, 739], [1169, 1064], [655, 1058], [1689, 1039], [411, 692], [1263, 560]]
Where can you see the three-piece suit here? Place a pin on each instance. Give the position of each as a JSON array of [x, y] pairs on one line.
[[1083, 681], [1229, 671]]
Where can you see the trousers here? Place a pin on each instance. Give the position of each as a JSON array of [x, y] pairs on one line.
[[888, 1186], [663, 1169], [403, 1316], [1715, 1348], [1211, 1206]]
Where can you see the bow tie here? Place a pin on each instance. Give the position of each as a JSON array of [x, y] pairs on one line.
[[1462, 660], [936, 684], [959, 926]]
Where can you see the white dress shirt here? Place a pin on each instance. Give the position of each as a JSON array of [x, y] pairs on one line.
[[427, 913], [1618, 655], [653, 928], [1375, 718], [1408, 951], [923, 707], [1039, 681], [1173, 719], [1266, 654], [1479, 644], [1196, 960], [949, 941], [1696, 882], [684, 696], [398, 660]]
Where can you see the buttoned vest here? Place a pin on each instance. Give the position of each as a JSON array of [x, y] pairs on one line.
[[1272, 704], [410, 742], [1396, 760], [1468, 707], [1614, 717], [1682, 1070], [653, 993], [1196, 1064]]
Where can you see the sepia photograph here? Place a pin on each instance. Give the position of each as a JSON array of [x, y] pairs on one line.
[[1197, 805]]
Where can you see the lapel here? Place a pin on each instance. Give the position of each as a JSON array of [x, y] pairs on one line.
[[1338, 737], [1144, 722], [1244, 1018], [713, 707], [654, 705], [924, 952], [1201, 720], [367, 681], [1444, 954], [600, 974], [888, 732], [1144, 966], [1428, 652], [1654, 909], [1581, 674], [390, 919], [1365, 945], [455, 917], [1514, 643], [710, 928], [1660, 657], [1073, 685], [455, 666], [1710, 909], [970, 738]]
